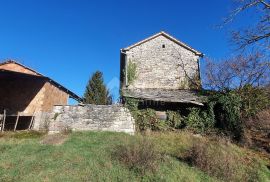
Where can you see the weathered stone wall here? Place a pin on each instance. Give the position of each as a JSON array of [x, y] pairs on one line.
[[87, 118], [161, 63]]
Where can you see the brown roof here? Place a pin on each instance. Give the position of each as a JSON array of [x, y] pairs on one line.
[[14, 62], [162, 33], [165, 95], [37, 74]]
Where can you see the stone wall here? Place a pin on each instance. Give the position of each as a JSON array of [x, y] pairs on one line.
[[161, 63], [87, 118]]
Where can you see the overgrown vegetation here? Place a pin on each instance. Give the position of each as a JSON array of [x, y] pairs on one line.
[[225, 112], [147, 119], [175, 120], [107, 156], [201, 120], [219, 159], [138, 154], [131, 72], [227, 109]]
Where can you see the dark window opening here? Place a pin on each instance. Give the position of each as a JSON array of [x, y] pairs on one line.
[[23, 123], [163, 46]]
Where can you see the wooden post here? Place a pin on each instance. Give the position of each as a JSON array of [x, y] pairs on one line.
[[4, 122], [17, 119], [32, 119]]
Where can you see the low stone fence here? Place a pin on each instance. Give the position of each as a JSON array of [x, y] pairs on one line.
[[87, 118]]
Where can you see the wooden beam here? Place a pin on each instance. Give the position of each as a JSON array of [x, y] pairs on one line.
[[17, 119], [4, 122], [32, 119]]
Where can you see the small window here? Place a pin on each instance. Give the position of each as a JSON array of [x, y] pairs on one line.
[[163, 46]]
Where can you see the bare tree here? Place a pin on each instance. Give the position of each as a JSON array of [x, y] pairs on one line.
[[236, 72], [259, 31]]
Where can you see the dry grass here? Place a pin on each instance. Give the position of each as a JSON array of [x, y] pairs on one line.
[[260, 121], [54, 139], [257, 132], [216, 156], [139, 154], [219, 159], [21, 134]]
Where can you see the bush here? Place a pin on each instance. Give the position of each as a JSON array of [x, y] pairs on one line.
[[201, 119], [138, 154], [175, 120], [131, 104], [147, 119], [221, 161], [194, 120], [228, 113]]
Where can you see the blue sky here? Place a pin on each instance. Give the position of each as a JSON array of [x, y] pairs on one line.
[[68, 40]]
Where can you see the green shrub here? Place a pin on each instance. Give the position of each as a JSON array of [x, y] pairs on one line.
[[175, 120], [138, 154], [147, 119], [228, 113], [131, 104], [194, 119], [201, 119]]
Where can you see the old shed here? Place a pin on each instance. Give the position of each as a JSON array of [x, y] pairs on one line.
[[24, 92]]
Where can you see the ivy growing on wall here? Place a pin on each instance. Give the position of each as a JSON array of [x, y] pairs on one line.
[[131, 72]]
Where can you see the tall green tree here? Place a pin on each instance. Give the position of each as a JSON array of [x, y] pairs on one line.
[[96, 91]]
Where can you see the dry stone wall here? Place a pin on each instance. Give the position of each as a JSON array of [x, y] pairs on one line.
[[89, 118]]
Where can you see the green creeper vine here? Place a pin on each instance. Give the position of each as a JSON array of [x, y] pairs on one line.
[[131, 72]]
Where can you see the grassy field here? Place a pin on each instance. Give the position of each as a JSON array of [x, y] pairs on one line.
[[87, 156]]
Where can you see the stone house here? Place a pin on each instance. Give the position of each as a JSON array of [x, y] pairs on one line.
[[162, 71], [25, 91]]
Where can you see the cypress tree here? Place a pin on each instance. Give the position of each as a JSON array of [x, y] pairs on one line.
[[96, 92]]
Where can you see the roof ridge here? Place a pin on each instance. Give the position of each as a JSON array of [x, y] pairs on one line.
[[20, 64], [72, 94], [167, 36]]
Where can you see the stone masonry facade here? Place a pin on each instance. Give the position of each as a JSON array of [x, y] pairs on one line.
[[163, 64], [87, 118]]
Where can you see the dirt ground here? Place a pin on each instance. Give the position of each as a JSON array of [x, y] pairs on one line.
[[54, 139]]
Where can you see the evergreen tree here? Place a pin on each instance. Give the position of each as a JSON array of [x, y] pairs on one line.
[[96, 92]]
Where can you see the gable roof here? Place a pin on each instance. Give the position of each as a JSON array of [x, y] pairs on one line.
[[30, 71], [162, 33], [37, 74]]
